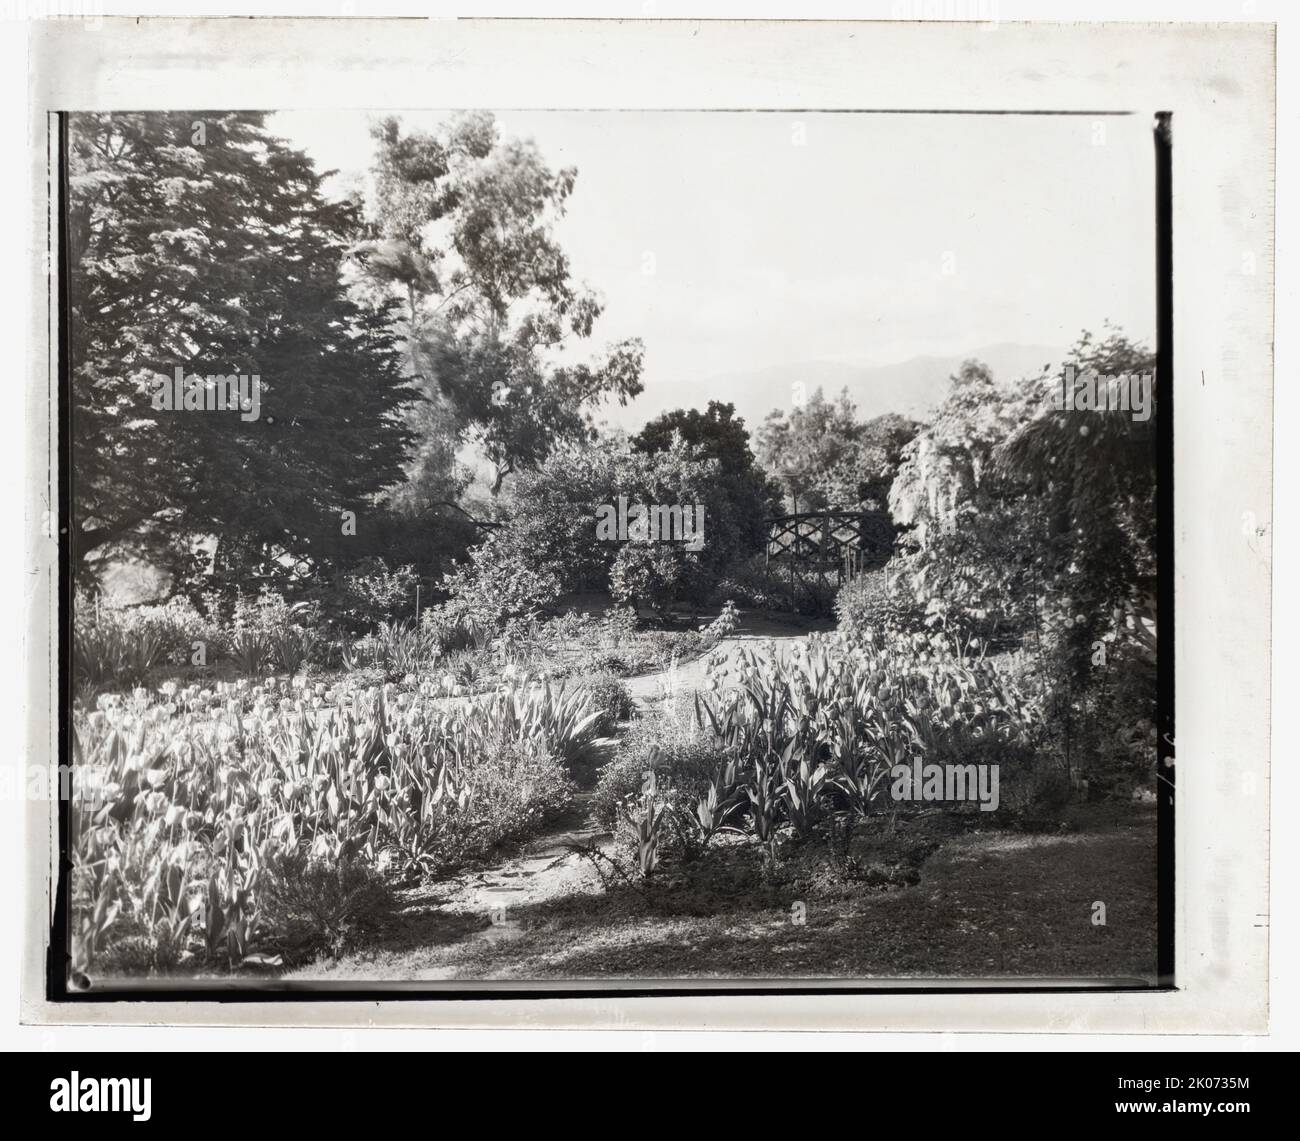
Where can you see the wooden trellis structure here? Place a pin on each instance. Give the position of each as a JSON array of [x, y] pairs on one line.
[[813, 544]]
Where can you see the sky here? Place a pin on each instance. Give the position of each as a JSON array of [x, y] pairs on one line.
[[733, 241]]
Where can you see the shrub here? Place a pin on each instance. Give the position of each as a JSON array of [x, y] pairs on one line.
[[316, 906], [110, 651], [516, 789], [120, 646], [751, 584], [549, 542], [668, 744], [270, 633], [496, 585], [1028, 781], [1098, 697], [180, 624], [679, 646], [869, 602], [371, 593], [609, 697], [141, 948], [653, 574]]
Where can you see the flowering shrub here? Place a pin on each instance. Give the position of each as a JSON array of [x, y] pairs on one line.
[[496, 585]]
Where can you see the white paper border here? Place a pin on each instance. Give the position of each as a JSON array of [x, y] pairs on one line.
[[1218, 81]]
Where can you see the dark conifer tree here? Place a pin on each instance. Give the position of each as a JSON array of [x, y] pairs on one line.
[[200, 241]]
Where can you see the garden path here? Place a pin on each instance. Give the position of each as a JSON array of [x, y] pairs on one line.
[[547, 867], [755, 632], [482, 904]]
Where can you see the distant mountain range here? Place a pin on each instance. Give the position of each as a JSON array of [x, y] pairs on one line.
[[912, 387]]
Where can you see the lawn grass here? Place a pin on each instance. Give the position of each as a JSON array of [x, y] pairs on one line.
[[931, 900]]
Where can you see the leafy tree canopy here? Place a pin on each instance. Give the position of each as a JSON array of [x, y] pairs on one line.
[[719, 434], [551, 536], [801, 447], [464, 230], [864, 476], [203, 242]]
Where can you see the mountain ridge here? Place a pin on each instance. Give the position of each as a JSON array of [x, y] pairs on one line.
[[913, 387]]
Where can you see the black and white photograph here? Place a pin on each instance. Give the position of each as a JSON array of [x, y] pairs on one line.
[[645, 529], [617, 545]]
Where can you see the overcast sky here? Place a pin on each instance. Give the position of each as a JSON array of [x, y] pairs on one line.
[[778, 239]]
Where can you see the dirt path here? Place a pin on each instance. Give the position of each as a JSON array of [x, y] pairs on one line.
[[480, 906], [755, 633], [548, 867]]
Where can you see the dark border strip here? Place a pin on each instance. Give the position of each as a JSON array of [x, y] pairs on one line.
[[57, 959], [1164, 445], [673, 111]]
